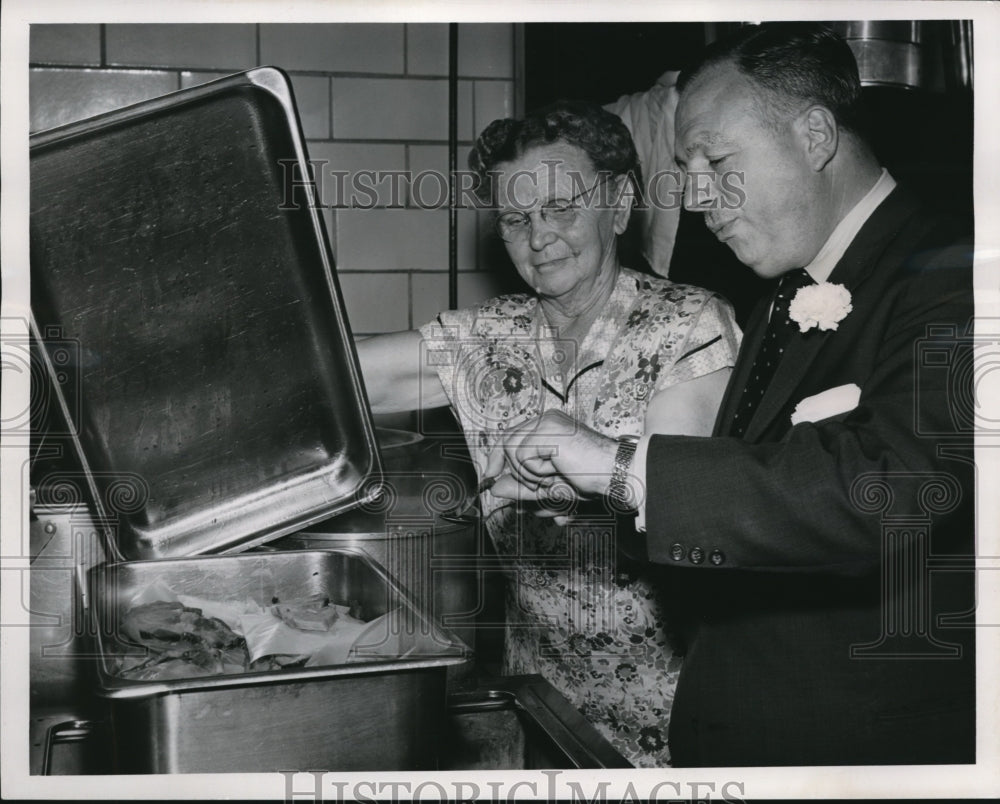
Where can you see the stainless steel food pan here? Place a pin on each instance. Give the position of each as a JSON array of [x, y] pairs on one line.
[[512, 723], [382, 713]]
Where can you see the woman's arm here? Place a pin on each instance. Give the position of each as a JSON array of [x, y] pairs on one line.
[[687, 408], [396, 374]]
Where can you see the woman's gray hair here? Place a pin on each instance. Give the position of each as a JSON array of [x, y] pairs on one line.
[[601, 135]]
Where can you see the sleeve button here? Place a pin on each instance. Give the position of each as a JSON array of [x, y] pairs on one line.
[[696, 556], [717, 557], [677, 552]]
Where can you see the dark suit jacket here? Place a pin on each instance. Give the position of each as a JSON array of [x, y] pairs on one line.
[[808, 563]]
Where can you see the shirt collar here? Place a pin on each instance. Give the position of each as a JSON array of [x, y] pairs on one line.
[[833, 249]]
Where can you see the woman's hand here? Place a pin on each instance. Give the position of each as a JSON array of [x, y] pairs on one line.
[[552, 456]]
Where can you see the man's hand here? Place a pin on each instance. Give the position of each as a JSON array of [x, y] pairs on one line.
[[549, 456]]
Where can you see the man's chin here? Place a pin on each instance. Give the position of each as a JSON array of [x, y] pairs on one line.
[[760, 265], [742, 254]]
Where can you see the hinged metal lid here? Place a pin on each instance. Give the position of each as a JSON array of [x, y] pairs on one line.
[[180, 262]]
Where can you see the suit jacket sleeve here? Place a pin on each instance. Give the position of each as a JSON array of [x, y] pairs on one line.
[[808, 496]]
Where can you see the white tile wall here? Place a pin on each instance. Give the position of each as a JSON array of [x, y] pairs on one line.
[[494, 99], [65, 44], [196, 46], [428, 290], [397, 109], [376, 302], [356, 157], [486, 49], [349, 47], [427, 48], [392, 239]]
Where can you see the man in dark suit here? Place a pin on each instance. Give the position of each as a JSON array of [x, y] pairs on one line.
[[802, 540]]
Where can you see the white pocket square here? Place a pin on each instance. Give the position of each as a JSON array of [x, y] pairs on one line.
[[830, 402]]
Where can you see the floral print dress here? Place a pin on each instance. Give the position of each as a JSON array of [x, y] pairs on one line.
[[578, 612]]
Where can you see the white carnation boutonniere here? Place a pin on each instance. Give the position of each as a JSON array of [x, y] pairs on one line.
[[824, 306]]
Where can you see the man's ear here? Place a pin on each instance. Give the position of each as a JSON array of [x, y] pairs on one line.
[[624, 199], [821, 135]]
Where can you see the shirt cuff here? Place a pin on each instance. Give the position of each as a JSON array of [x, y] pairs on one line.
[[638, 472]]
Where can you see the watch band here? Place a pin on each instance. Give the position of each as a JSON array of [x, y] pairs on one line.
[[618, 487]]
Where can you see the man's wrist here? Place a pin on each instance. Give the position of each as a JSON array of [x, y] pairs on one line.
[[602, 470]]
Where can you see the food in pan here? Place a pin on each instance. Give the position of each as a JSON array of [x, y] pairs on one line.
[[187, 663], [180, 641], [168, 625], [312, 613]]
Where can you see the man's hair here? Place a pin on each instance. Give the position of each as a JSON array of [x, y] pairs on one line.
[[601, 135], [794, 65]]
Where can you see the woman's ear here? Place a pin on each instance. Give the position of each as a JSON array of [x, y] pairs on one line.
[[623, 199], [820, 134]]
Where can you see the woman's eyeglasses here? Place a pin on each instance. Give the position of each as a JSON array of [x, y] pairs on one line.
[[513, 226]]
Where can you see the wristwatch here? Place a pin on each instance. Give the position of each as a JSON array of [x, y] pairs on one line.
[[618, 488]]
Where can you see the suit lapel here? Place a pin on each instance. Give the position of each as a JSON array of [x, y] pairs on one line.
[[851, 271]]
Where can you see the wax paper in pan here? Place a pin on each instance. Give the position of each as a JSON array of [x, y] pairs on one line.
[[266, 635], [401, 633], [398, 633]]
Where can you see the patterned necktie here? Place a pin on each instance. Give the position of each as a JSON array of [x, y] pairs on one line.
[[779, 329]]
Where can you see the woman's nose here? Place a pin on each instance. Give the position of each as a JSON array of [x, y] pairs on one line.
[[542, 232], [701, 191]]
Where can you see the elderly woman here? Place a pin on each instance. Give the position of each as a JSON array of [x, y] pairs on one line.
[[618, 351]]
